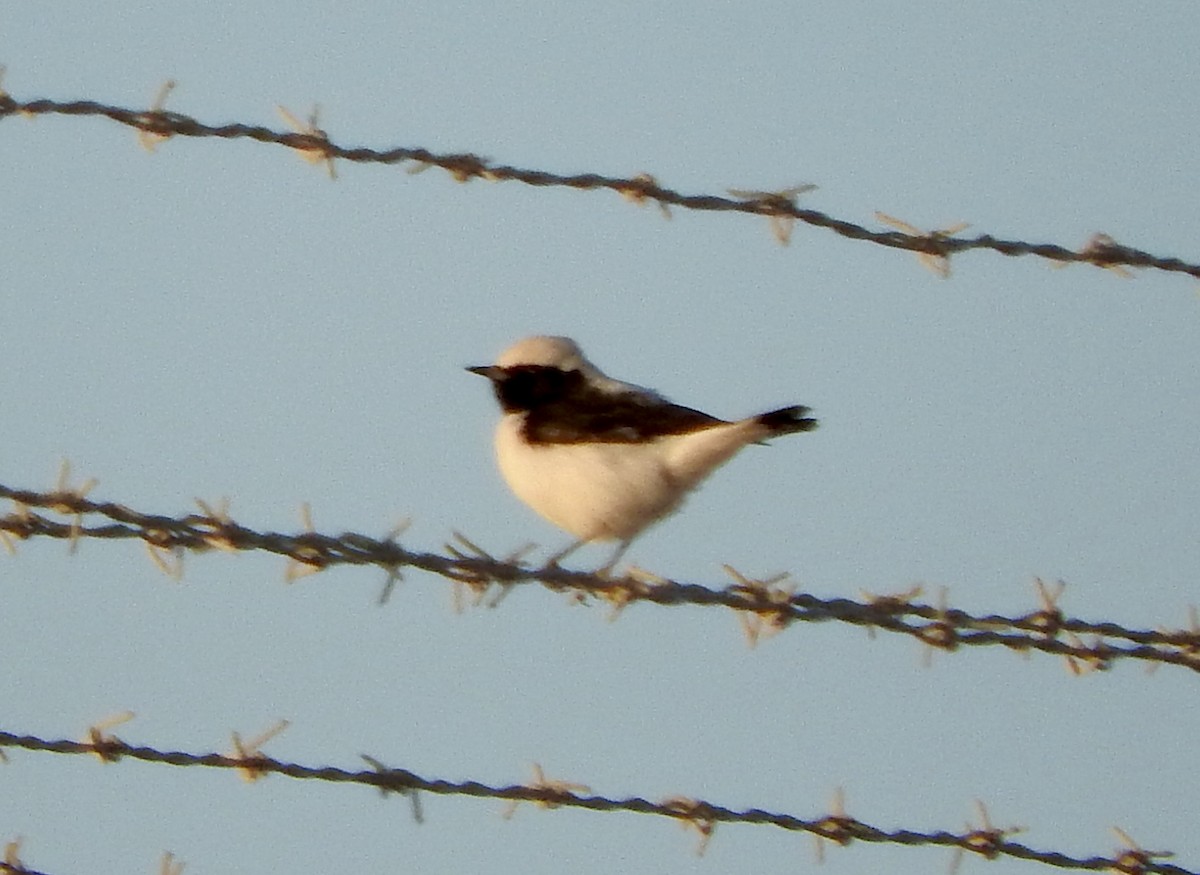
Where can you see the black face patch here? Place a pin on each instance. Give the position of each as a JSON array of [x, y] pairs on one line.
[[528, 387]]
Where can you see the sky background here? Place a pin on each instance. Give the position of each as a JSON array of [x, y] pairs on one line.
[[220, 319]]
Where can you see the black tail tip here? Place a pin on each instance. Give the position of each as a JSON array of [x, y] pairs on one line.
[[789, 420]]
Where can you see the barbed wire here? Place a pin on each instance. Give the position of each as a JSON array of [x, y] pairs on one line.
[[933, 247], [765, 606], [836, 827]]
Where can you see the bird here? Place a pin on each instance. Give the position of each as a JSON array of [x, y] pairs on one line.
[[600, 458]]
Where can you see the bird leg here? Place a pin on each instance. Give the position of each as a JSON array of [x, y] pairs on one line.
[[553, 561], [604, 570], [607, 567]]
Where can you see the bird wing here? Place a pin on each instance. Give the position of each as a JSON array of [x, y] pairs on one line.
[[599, 416]]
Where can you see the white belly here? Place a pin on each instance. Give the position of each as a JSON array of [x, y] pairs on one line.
[[611, 491]]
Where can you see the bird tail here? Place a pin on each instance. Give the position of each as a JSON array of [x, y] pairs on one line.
[[787, 420]]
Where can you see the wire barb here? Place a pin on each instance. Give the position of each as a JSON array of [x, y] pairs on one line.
[[636, 193], [936, 260], [413, 794], [693, 815], [942, 633], [837, 826], [394, 575], [105, 745], [69, 495], [550, 789], [313, 143], [1132, 858], [308, 559], [772, 616], [12, 855], [156, 130], [983, 839], [253, 764], [780, 206]]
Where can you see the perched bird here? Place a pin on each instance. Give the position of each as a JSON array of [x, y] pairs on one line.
[[603, 459]]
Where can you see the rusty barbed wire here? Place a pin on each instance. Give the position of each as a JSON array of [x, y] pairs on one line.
[[156, 124], [770, 606], [985, 841]]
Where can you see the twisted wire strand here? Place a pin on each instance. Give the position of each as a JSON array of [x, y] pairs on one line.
[[20, 869], [837, 827], [1047, 630], [1101, 251]]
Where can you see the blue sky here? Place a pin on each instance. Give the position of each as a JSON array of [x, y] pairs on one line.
[[220, 319]]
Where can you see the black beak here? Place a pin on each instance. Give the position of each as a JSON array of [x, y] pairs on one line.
[[492, 372]]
